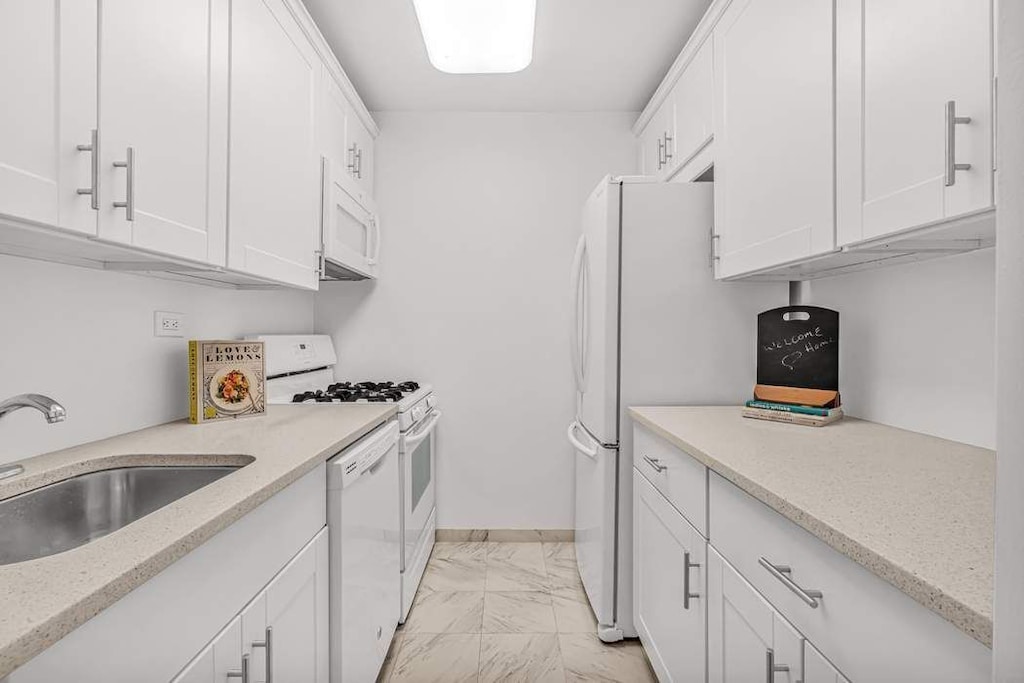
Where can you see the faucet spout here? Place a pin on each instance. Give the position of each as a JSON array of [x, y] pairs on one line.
[[51, 410]]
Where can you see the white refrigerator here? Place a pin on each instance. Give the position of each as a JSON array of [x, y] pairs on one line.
[[650, 326]]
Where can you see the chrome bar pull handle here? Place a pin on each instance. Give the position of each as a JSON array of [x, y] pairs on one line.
[[655, 463], [267, 642], [952, 120], [668, 147], [351, 165], [359, 164], [782, 572], [129, 200], [687, 566], [244, 673], [661, 151], [771, 668], [714, 248], [94, 170]]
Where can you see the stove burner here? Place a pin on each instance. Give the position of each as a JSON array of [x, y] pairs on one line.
[[347, 392]]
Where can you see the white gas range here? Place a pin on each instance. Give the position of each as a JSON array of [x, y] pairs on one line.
[[302, 369]]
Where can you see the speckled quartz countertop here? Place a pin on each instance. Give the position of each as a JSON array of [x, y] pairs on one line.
[[43, 600], [913, 509]]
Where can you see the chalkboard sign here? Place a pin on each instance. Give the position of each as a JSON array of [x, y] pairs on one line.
[[798, 346]]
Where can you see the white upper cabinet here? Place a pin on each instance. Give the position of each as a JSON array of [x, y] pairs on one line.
[[901, 156], [163, 126], [48, 77], [343, 138], [773, 133], [360, 149], [693, 96], [658, 139], [274, 171]]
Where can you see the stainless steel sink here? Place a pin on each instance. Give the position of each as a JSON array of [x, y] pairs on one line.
[[75, 511]]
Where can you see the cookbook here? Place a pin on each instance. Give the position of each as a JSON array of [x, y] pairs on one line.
[[227, 380]]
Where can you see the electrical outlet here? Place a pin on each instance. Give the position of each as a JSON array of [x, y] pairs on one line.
[[167, 324]]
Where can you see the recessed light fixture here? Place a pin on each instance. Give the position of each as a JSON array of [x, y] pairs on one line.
[[478, 36]]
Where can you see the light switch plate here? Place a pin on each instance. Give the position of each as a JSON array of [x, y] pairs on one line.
[[168, 324]]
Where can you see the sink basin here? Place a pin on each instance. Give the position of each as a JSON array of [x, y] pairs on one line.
[[75, 511]]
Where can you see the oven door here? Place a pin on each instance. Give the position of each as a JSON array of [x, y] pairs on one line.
[[418, 470]]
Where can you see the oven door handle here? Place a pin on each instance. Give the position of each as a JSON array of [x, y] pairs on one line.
[[423, 432]]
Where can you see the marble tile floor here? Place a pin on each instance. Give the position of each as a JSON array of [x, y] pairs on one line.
[[506, 612]]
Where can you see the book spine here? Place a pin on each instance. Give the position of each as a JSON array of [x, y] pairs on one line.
[[787, 408], [788, 418], [193, 381]]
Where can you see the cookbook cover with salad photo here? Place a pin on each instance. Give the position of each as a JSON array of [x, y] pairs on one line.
[[226, 380]]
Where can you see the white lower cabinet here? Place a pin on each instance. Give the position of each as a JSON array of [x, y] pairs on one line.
[[282, 633], [837, 622], [817, 669], [668, 585], [261, 572], [219, 660], [747, 639]]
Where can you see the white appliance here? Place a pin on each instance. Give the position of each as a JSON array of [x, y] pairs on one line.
[[350, 227], [417, 455], [301, 369], [650, 326], [363, 535]]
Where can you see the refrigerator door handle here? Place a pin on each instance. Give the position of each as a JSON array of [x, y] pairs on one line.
[[576, 284], [589, 451]]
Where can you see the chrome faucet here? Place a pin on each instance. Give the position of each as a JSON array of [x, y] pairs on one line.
[[53, 411]]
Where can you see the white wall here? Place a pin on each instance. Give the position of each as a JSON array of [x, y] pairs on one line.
[[481, 215], [917, 345], [1009, 595], [85, 338]]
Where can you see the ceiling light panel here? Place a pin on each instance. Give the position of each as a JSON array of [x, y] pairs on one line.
[[478, 36]]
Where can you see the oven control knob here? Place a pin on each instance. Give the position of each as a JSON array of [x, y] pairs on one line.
[[417, 413], [431, 401]]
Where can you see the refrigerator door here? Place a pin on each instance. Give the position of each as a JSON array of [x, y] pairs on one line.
[[595, 522], [595, 290]]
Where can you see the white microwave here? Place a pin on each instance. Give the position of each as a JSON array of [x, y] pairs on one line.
[[350, 227]]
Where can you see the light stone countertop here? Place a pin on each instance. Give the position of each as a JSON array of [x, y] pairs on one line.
[[45, 599], [913, 509]]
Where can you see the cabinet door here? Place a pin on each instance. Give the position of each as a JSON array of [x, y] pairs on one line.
[[669, 561], [220, 657], [739, 626], [334, 112], [47, 57], [274, 169], [817, 669], [652, 140], [255, 637], [694, 103], [773, 133], [163, 125], [898, 64], [297, 615], [787, 651]]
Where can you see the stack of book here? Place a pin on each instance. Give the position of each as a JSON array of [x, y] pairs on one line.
[[791, 412]]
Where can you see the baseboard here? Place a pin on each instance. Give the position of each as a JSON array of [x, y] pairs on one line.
[[505, 535]]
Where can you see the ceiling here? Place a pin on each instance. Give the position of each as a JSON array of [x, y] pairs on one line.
[[589, 55]]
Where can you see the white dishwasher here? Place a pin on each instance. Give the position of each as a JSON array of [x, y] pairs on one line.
[[365, 550]]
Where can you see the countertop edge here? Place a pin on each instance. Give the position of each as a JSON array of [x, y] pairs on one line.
[[42, 636], [965, 618]]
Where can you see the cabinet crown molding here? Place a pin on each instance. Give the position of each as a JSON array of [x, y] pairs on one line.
[[703, 32]]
